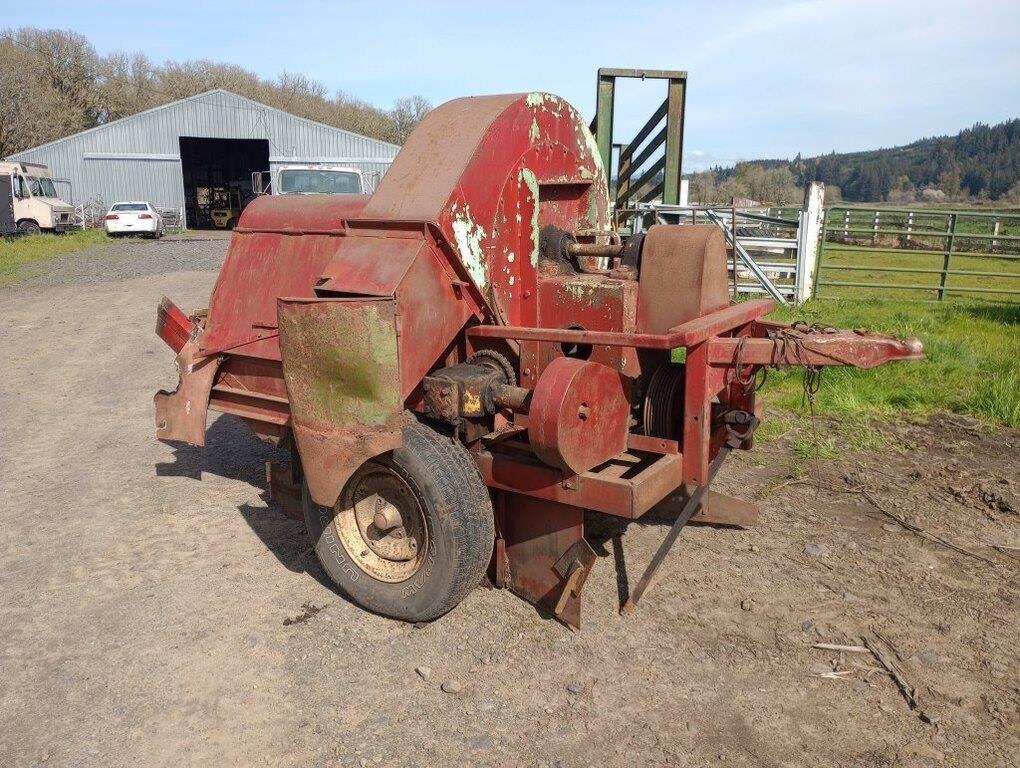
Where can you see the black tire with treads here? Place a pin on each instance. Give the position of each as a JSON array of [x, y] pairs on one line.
[[459, 517]]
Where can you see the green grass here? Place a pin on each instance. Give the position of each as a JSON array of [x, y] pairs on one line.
[[972, 365], [21, 256]]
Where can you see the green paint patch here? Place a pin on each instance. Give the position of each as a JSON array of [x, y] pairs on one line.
[[527, 176], [346, 389], [534, 132], [547, 102], [349, 372], [593, 209], [580, 290], [589, 141]]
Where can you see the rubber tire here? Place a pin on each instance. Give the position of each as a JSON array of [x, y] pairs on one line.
[[460, 521], [29, 228]]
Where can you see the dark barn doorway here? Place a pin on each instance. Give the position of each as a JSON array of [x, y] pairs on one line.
[[217, 178]]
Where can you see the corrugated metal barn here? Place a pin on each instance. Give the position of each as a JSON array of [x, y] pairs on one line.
[[172, 155]]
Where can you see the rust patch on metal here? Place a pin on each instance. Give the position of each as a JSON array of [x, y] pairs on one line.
[[181, 414], [682, 277], [284, 490], [546, 557]]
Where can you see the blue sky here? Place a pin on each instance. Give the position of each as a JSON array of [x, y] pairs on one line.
[[766, 79]]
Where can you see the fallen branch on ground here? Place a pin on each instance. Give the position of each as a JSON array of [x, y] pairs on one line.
[[837, 647], [887, 656]]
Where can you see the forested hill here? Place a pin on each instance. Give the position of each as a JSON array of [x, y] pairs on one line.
[[978, 162], [53, 84]]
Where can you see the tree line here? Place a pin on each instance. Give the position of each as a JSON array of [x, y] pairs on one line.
[[978, 163], [54, 84]]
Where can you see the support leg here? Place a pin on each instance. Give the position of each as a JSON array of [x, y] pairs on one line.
[[545, 557]]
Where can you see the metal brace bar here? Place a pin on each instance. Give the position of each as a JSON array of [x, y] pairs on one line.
[[733, 440], [748, 261]]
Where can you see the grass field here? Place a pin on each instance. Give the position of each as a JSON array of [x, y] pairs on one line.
[[972, 365], [972, 337], [19, 254]]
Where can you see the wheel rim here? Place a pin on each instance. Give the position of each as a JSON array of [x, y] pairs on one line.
[[381, 523]]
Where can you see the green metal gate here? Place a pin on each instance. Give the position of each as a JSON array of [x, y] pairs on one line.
[[648, 166], [919, 254]]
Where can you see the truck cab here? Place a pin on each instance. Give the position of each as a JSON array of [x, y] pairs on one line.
[[309, 179], [37, 206]]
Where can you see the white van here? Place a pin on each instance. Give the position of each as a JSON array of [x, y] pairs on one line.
[[37, 206]]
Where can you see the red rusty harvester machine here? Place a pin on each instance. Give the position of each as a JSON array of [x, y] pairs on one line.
[[465, 362]]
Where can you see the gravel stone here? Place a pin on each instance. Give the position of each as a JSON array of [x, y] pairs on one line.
[[452, 686]]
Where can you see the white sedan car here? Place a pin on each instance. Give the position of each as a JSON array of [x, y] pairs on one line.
[[135, 218]]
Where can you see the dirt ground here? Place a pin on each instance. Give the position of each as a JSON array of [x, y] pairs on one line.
[[158, 610]]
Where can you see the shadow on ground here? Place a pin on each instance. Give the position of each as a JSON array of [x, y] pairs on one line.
[[234, 452], [1008, 314]]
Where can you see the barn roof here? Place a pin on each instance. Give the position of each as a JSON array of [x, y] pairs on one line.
[[252, 119]]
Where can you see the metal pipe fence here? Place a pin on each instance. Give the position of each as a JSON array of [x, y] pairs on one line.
[[918, 254]]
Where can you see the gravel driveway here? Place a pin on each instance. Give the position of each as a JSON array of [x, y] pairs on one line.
[[158, 610]]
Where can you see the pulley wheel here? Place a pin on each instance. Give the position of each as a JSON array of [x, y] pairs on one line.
[[664, 402], [579, 414]]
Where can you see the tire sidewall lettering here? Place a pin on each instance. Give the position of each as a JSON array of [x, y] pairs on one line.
[[341, 558], [418, 581]]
